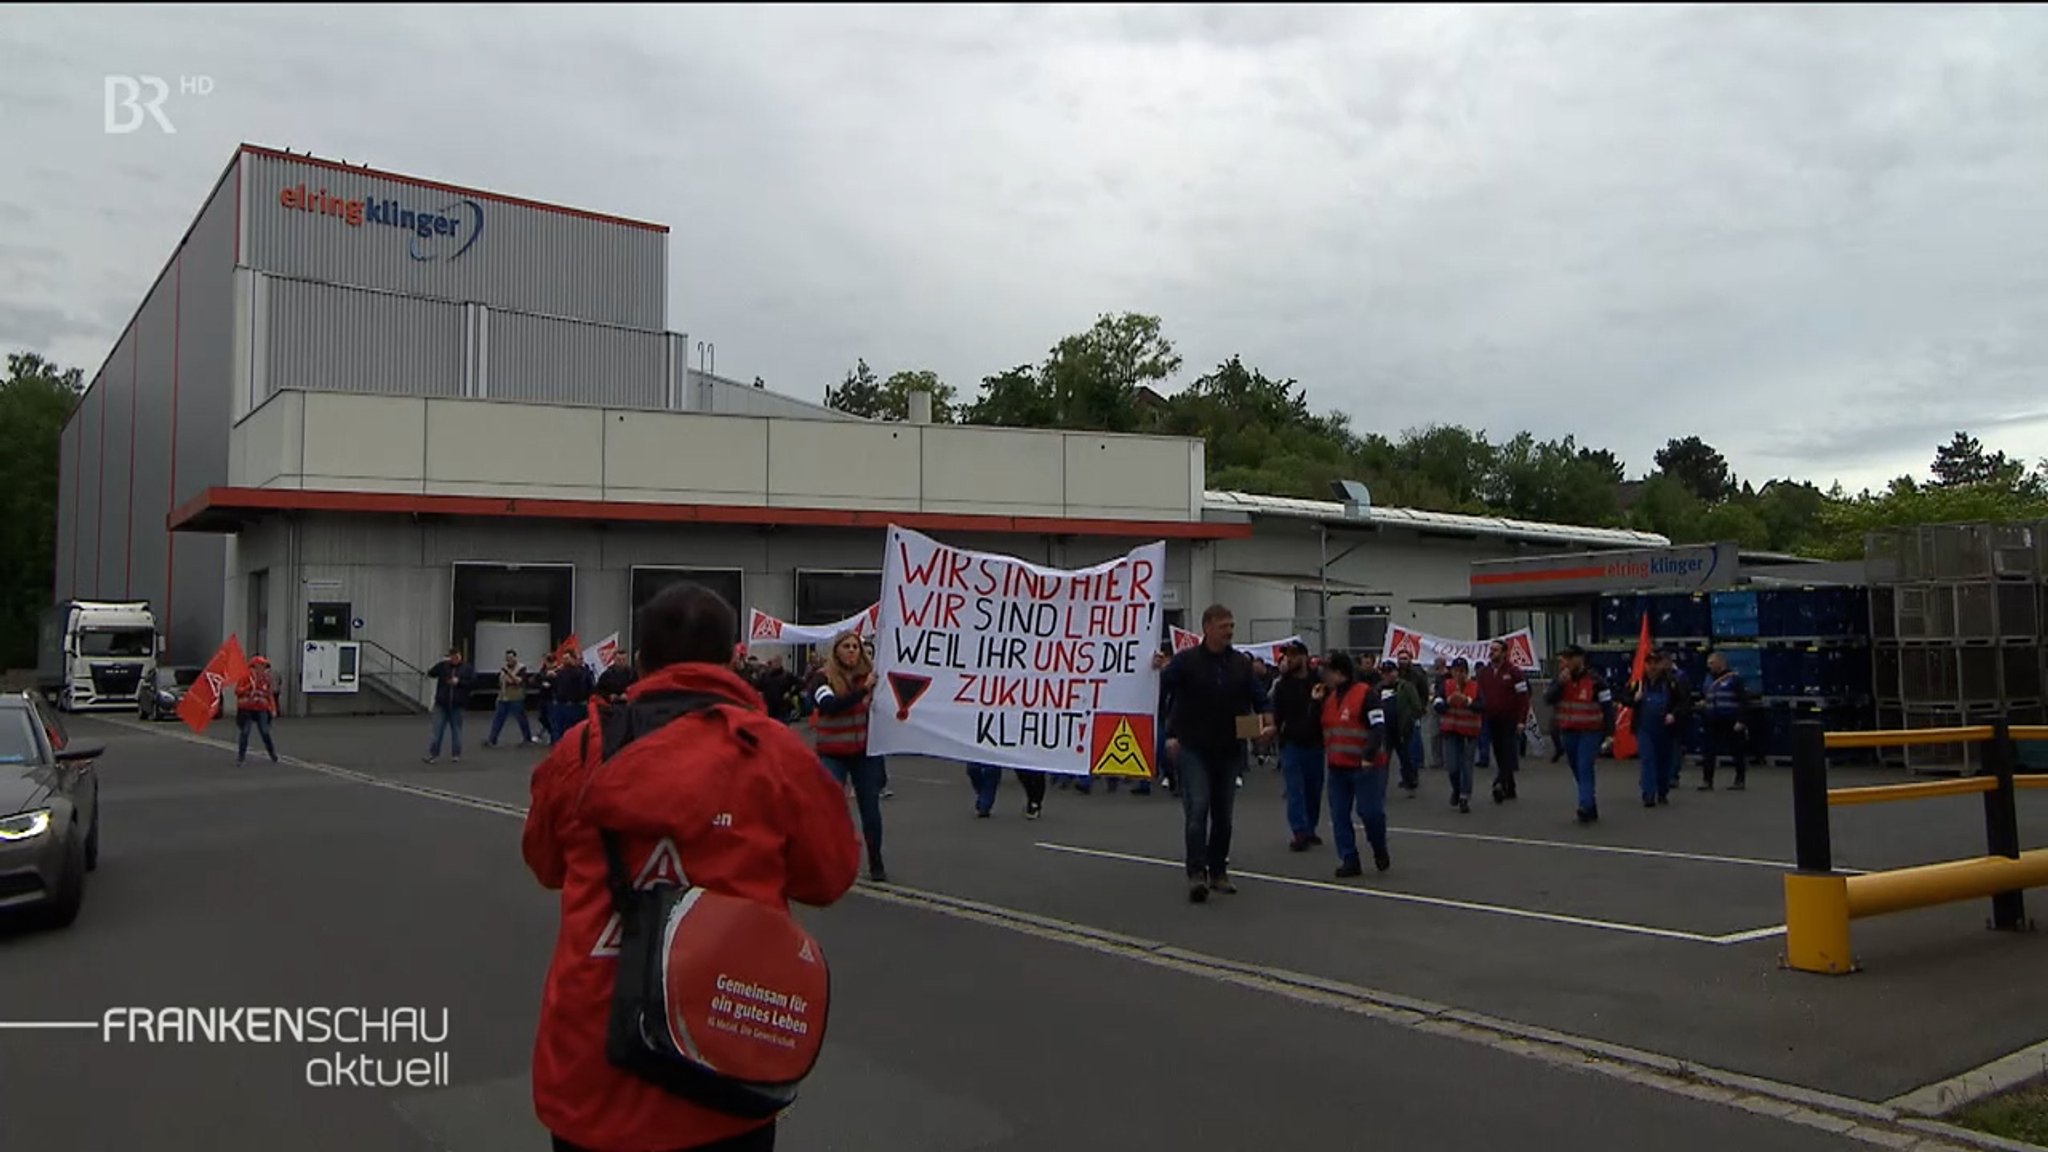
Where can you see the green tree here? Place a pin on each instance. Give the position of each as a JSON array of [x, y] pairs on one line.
[[1014, 399], [1696, 464], [1094, 376], [1550, 481], [35, 400], [860, 394], [897, 388], [1667, 506]]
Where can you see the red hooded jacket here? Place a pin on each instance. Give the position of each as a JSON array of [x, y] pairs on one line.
[[766, 822]]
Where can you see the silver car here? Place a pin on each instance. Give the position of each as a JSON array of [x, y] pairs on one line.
[[49, 812]]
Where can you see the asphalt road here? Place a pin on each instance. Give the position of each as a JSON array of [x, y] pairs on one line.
[[276, 886]]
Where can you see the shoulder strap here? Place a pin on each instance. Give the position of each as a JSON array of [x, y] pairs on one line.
[[623, 724]]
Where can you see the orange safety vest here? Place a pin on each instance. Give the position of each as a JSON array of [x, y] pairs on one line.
[[257, 694], [1459, 720], [1347, 725], [1579, 705], [844, 734]]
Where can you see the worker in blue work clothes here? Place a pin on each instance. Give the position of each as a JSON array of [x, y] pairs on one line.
[[1727, 701], [1661, 704], [1355, 734], [1582, 708], [1298, 721]]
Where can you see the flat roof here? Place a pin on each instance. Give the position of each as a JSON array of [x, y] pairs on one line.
[[1333, 513], [226, 510], [442, 186]]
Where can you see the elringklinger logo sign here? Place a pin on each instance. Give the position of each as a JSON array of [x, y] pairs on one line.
[[352, 1047], [432, 234]]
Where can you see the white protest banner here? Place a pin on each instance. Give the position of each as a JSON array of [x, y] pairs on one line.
[[1424, 648], [764, 630], [599, 655], [1268, 651], [988, 659]]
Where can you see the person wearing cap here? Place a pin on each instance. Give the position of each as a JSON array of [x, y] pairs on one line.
[[1355, 734], [255, 704], [1298, 721], [1405, 712], [1659, 706], [1582, 707], [1461, 712]]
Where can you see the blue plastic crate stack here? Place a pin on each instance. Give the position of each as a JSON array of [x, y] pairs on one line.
[[1803, 653]]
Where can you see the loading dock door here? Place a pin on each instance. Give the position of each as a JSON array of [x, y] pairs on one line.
[[648, 582], [507, 594]]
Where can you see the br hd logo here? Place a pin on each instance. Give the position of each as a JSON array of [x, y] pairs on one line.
[[132, 99]]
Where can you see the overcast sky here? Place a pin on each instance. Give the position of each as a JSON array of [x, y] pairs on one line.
[[1817, 238]]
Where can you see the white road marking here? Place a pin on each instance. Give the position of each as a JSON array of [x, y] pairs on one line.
[[1613, 849], [1414, 898], [1868, 1123]]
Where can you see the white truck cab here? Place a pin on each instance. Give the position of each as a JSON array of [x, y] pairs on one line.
[[95, 653]]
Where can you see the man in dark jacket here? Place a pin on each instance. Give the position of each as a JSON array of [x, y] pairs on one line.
[[726, 797], [1298, 721], [451, 679], [1212, 687], [1659, 706], [619, 677]]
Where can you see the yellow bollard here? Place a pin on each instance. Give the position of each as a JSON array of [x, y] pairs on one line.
[[1817, 923]]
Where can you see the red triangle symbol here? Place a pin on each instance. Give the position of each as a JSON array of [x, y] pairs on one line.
[[907, 688]]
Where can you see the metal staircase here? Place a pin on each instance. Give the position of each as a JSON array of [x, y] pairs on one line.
[[394, 681]]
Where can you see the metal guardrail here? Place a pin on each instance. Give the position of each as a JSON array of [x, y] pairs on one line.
[[1820, 902]]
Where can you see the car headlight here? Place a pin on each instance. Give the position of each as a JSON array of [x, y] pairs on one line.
[[25, 825]]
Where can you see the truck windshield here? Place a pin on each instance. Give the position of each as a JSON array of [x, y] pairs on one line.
[[129, 642]]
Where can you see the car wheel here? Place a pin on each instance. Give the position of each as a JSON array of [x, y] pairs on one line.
[[63, 908], [92, 842]]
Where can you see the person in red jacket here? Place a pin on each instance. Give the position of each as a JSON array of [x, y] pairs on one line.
[[255, 704], [727, 798], [1506, 694]]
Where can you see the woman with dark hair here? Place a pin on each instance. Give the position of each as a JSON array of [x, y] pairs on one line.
[[1355, 749]]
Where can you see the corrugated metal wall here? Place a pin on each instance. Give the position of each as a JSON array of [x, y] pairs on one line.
[[538, 359], [117, 408], [64, 571], [204, 308], [157, 340], [325, 338], [521, 258], [91, 511]]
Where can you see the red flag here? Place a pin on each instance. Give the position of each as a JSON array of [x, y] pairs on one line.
[[227, 669], [1624, 734], [570, 649]]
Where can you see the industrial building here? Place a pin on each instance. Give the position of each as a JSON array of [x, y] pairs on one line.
[[368, 408]]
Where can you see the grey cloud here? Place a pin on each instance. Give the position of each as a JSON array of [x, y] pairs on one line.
[[1813, 236]]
